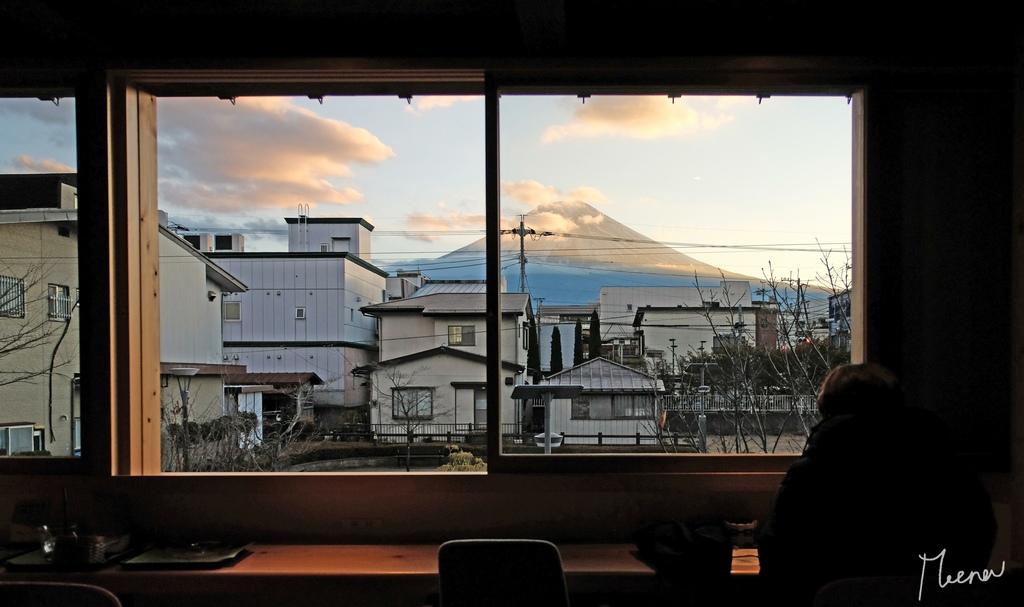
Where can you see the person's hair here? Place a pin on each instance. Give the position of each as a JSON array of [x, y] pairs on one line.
[[852, 388]]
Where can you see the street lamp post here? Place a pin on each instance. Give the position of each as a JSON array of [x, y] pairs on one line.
[[183, 375], [673, 346], [702, 389]]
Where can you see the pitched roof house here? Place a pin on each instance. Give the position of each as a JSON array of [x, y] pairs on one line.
[[432, 367], [617, 403]]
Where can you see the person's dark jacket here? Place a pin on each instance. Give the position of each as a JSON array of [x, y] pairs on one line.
[[872, 492]]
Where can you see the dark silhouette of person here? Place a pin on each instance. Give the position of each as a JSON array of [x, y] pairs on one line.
[[877, 486]]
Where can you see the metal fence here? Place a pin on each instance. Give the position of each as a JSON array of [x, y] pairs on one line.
[[759, 403], [517, 433], [400, 433]]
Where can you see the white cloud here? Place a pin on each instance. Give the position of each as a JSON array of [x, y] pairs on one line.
[[636, 118], [734, 101], [450, 222], [260, 153], [552, 222], [533, 193], [430, 102]]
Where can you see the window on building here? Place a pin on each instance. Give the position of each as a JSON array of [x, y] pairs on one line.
[[633, 406], [300, 313], [232, 310], [461, 335], [12, 296], [581, 407], [59, 302], [15, 439], [412, 403]]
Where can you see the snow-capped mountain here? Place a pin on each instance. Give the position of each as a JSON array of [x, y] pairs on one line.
[[572, 251]]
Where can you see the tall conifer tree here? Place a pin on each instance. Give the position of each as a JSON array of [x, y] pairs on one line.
[[594, 339], [577, 345], [556, 350], [533, 352]]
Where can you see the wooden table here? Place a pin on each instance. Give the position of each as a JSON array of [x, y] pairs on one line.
[[363, 575]]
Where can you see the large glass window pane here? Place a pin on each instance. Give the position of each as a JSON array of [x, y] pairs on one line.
[[688, 260], [39, 343], [308, 289]]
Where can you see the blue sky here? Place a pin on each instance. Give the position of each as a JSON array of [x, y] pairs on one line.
[[713, 176]]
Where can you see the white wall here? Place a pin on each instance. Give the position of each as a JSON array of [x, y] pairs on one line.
[[439, 372], [618, 305], [407, 333], [330, 289], [339, 237], [190, 323], [36, 253]]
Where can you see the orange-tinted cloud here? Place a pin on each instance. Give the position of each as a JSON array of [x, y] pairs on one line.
[[450, 222], [27, 164], [636, 118], [534, 193], [260, 153], [430, 102], [551, 222]]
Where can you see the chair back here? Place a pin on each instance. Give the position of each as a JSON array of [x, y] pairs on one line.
[[55, 594], [501, 573]]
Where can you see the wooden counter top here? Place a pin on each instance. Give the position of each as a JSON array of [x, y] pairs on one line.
[[364, 574]]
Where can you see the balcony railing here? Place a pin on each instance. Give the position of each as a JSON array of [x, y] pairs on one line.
[[60, 307]]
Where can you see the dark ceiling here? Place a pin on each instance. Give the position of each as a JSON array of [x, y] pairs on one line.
[[113, 29]]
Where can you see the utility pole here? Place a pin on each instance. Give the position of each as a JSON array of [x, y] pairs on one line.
[[673, 346], [522, 231], [522, 253]]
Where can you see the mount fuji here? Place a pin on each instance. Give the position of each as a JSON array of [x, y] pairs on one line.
[[572, 250]]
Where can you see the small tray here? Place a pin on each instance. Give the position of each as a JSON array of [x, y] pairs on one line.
[[35, 561], [201, 555], [7, 552]]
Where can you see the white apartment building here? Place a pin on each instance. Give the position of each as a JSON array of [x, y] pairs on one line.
[[39, 337], [301, 312], [687, 317]]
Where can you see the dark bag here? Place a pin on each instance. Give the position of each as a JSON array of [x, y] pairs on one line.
[[688, 558]]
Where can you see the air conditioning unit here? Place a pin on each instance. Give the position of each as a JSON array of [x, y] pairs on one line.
[[203, 242], [229, 242]]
